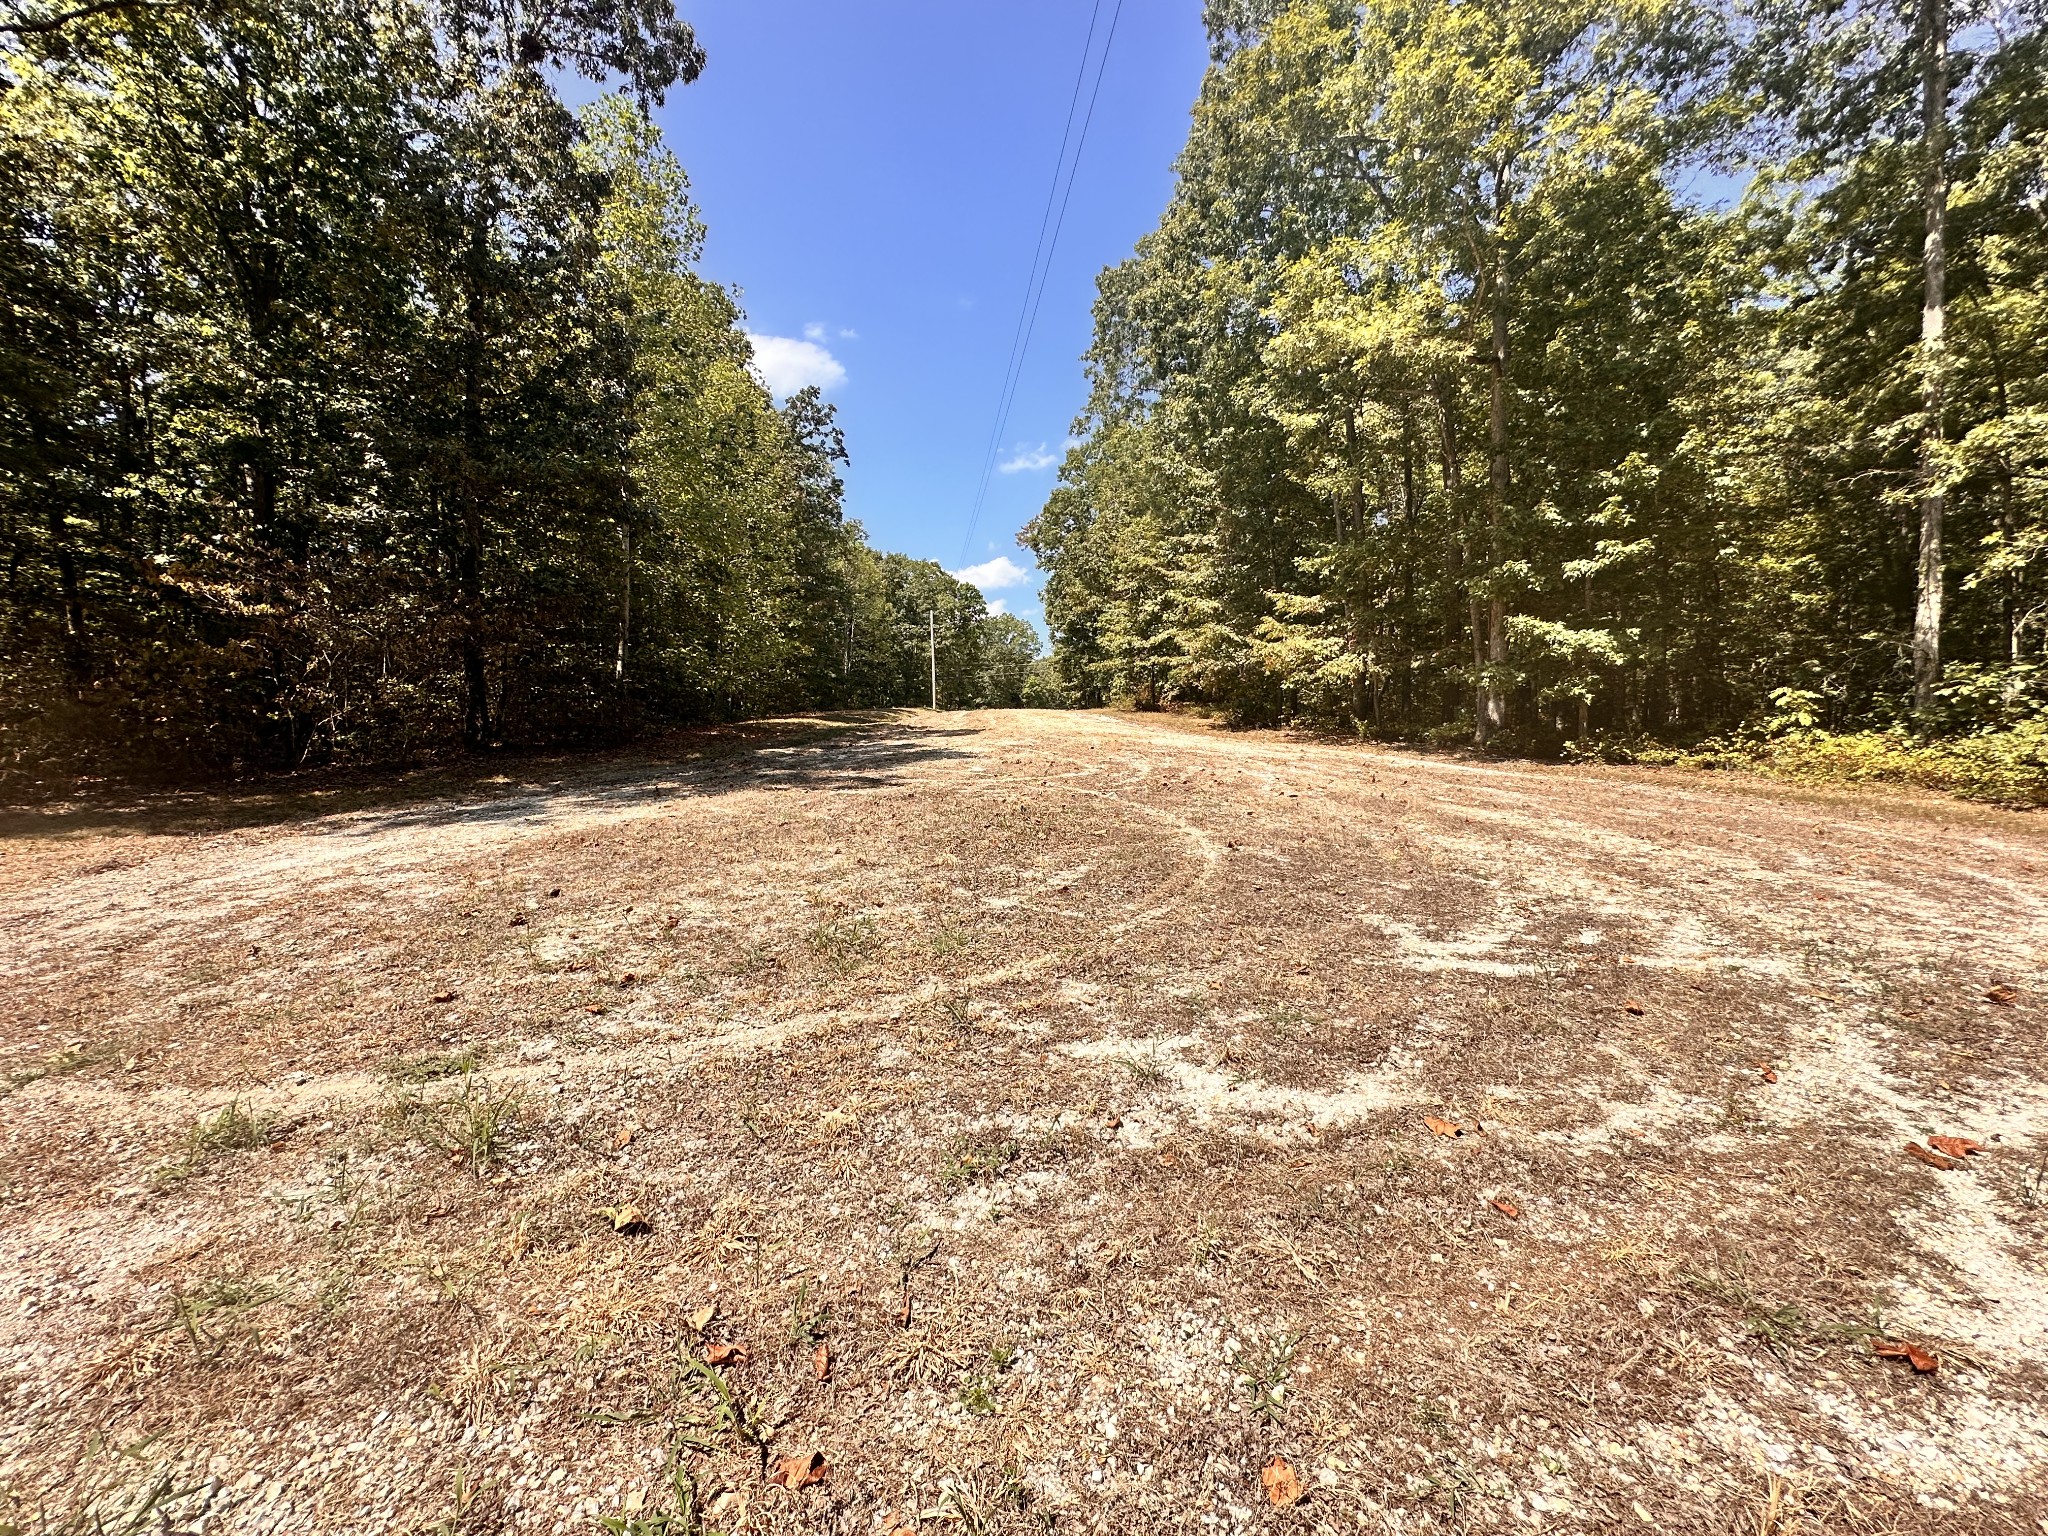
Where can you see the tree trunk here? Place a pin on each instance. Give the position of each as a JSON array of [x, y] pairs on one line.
[[73, 601], [1493, 712], [1933, 350], [476, 721], [1454, 485], [625, 607], [1357, 487], [1406, 649]]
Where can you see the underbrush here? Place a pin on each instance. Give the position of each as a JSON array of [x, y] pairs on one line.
[[2001, 767]]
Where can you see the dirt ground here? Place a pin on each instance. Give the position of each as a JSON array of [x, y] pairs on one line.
[[1019, 1123]]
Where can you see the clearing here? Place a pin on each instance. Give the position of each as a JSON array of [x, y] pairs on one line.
[[1015, 1122]]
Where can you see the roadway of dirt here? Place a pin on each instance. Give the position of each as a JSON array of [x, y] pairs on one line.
[[1028, 1116]]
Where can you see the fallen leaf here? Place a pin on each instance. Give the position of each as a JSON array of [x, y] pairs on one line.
[[624, 1139], [1634, 1007], [821, 1362], [1897, 1349], [1958, 1147], [1931, 1159], [1442, 1127], [624, 1218], [1282, 1486], [701, 1318], [519, 921], [1770, 1074], [800, 1471], [597, 1008], [628, 979], [1507, 1208], [443, 997], [726, 1354], [2002, 994], [555, 892]]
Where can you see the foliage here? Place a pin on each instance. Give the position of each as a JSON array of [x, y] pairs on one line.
[[359, 399], [1533, 372]]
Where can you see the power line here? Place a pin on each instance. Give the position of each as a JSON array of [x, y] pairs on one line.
[[1035, 282]]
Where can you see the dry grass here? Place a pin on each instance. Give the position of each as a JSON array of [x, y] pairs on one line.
[[500, 1158]]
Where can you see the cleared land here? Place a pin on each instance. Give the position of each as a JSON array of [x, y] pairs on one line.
[[1026, 1114]]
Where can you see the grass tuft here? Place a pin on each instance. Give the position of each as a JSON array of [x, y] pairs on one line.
[[234, 1129], [433, 1068]]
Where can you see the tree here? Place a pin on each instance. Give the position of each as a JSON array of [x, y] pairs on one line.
[[1436, 404]]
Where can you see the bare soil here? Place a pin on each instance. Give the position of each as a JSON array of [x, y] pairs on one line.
[[1025, 1113]]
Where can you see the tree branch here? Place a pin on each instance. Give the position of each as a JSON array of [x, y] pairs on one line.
[[98, 8]]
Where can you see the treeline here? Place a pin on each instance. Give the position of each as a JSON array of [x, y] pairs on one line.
[[360, 399], [1565, 371]]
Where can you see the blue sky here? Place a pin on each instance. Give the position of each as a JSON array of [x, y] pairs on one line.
[[874, 175]]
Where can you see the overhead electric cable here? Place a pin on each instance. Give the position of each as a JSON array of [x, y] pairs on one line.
[[1040, 273]]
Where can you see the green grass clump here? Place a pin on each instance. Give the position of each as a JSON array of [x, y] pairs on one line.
[[234, 1129], [432, 1068], [2007, 766]]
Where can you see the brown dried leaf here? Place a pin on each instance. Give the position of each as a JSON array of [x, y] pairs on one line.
[[2003, 994], [1922, 1361], [726, 1354], [1634, 1007], [443, 997], [821, 1362], [1439, 1127], [701, 1318], [1958, 1147], [624, 1218], [1282, 1486], [1507, 1208], [800, 1471], [624, 1139], [1931, 1159]]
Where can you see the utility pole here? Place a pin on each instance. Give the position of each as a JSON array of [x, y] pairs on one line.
[[931, 619]]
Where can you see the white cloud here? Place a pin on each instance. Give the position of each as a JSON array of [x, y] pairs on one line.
[[817, 330], [1031, 460], [998, 606], [787, 365], [992, 575]]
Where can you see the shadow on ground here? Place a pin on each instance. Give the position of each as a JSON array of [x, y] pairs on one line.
[[869, 750]]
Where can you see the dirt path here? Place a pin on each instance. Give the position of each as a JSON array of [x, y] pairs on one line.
[[1027, 1113]]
